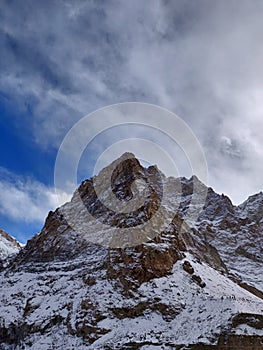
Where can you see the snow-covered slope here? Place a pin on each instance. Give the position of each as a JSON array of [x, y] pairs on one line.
[[236, 233], [191, 314], [74, 305], [8, 245]]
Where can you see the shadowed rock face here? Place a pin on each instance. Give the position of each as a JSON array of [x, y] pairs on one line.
[[123, 176]]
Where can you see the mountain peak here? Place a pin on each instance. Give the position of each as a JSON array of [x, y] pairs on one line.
[[98, 276]]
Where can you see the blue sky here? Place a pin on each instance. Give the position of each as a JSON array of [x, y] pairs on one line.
[[61, 60]]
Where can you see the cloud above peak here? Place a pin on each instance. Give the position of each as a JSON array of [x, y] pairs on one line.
[[200, 59]]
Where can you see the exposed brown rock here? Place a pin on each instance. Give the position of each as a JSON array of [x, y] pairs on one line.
[[188, 267], [133, 266], [199, 280], [169, 312]]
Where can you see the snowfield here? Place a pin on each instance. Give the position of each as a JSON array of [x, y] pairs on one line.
[[194, 314]]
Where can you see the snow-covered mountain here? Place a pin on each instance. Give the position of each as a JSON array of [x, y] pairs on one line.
[[236, 233], [192, 283], [8, 245]]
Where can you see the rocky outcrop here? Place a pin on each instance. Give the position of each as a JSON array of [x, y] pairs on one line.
[[134, 266], [188, 267]]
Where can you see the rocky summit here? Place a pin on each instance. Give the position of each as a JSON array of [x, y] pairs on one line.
[[137, 260]]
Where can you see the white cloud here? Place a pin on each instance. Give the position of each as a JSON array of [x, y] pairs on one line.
[[201, 59], [27, 200]]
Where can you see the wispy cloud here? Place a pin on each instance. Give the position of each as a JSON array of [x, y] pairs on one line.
[[27, 200], [201, 59]]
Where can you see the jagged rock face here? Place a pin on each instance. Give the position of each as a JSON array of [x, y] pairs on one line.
[[236, 232], [8, 245], [227, 237], [252, 208], [57, 236], [56, 241], [139, 264], [66, 289], [124, 175], [222, 235], [131, 266]]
